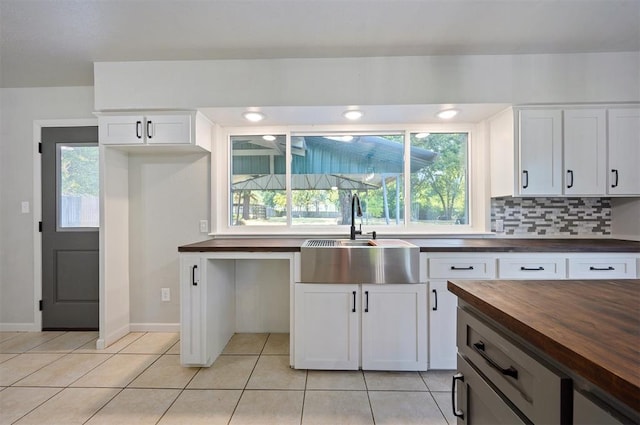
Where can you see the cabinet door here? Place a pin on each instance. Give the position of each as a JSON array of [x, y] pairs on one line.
[[394, 327], [442, 326], [192, 312], [327, 326], [540, 144], [585, 145], [121, 130], [168, 129], [624, 152]]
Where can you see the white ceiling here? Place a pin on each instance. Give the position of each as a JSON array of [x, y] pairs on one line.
[[55, 42]]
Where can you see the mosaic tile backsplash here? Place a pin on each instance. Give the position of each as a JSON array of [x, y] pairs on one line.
[[552, 216]]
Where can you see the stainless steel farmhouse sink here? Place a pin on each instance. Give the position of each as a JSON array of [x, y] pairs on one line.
[[381, 261]]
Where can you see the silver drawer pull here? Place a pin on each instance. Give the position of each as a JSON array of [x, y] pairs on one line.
[[461, 268], [458, 413], [532, 269], [510, 371], [601, 268]]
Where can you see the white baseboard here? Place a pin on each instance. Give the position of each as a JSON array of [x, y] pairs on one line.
[[154, 327], [107, 340], [19, 327]]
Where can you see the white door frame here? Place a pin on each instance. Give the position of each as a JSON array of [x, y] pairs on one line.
[[37, 206]]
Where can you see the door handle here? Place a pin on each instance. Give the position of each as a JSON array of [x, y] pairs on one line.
[[510, 371], [193, 276], [353, 310], [149, 129], [139, 129], [615, 173], [366, 301], [601, 268], [570, 175], [525, 179], [457, 413], [435, 297], [532, 269]]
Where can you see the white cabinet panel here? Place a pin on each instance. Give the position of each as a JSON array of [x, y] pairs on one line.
[[168, 129], [602, 267], [624, 151], [442, 326], [327, 322], [192, 310], [532, 267], [461, 267], [394, 334], [540, 148], [585, 145], [121, 129]]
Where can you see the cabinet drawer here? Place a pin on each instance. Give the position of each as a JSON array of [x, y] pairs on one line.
[[540, 393], [463, 267], [535, 268], [602, 268]]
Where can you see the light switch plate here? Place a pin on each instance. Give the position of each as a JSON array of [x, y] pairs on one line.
[[499, 226], [24, 207], [204, 226]]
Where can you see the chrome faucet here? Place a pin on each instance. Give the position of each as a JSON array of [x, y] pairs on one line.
[[355, 202]]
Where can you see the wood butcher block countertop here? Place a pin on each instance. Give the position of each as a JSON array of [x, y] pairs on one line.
[[592, 327], [276, 244]]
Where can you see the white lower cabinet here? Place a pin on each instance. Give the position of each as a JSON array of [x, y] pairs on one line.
[[207, 309], [442, 326], [327, 326], [375, 327]]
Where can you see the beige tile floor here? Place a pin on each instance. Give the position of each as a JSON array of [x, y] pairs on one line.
[[60, 378]]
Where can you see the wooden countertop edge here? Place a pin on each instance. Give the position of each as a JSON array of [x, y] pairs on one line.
[[594, 372], [433, 245]]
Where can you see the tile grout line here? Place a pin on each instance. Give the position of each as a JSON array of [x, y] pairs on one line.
[[52, 396], [248, 379], [366, 387]]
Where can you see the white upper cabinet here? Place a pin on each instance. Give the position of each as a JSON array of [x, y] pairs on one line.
[[585, 152], [624, 152], [166, 129], [572, 151], [540, 148]]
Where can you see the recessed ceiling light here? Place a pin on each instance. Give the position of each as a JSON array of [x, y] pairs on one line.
[[253, 116], [353, 114], [447, 114], [269, 137], [421, 135]]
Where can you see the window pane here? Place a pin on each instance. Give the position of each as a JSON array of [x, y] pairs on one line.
[[258, 180], [328, 170], [439, 188], [78, 186]]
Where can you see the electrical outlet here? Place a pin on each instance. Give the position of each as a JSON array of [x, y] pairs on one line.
[[165, 294], [204, 226], [24, 207], [499, 226]]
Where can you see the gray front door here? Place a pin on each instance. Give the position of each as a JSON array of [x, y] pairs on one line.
[[70, 225]]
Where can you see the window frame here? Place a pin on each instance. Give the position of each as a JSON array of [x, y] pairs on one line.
[[477, 170]]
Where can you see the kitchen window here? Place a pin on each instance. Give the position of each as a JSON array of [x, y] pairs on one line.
[[304, 182]]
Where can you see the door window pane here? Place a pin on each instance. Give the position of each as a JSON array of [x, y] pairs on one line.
[[258, 188], [78, 186], [327, 170], [439, 192]]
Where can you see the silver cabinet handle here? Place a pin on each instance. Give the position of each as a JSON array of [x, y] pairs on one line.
[[457, 413]]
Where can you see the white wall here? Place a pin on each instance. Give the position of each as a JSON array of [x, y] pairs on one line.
[[516, 79], [20, 107], [168, 196]]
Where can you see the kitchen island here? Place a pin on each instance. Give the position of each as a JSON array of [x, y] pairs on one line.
[[587, 330]]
